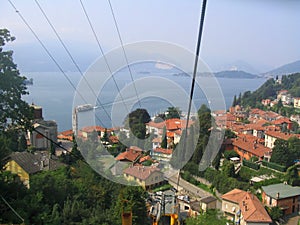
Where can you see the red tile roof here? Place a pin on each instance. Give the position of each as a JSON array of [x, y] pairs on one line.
[[163, 151], [280, 135], [141, 172], [251, 144], [90, 129], [251, 208], [130, 154]]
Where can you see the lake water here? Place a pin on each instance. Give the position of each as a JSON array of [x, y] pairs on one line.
[[54, 93]]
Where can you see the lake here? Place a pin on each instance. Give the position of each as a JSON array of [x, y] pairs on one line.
[[53, 92]]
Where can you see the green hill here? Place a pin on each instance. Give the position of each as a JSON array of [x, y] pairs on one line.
[[270, 88]]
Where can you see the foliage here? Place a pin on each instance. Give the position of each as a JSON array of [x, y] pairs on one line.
[[251, 165], [228, 169], [69, 195], [229, 134], [173, 112], [270, 89], [164, 141], [163, 187], [15, 112], [274, 166], [211, 217], [230, 154], [132, 198], [285, 152], [275, 213]]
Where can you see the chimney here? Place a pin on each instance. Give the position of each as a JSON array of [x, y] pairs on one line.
[[277, 195]]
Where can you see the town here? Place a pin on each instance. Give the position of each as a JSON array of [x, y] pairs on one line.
[[253, 180]]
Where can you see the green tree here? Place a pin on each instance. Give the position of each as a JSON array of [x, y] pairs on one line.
[[280, 153], [15, 112], [173, 112], [164, 141], [234, 101], [132, 198], [228, 169], [275, 213], [22, 143], [211, 217]]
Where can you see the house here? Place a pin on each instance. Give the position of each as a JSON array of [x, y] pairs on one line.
[[132, 154], [208, 202], [24, 164], [44, 131], [283, 122], [85, 131], [272, 135], [146, 176], [162, 154], [297, 102], [282, 195], [244, 208], [266, 102], [248, 146]]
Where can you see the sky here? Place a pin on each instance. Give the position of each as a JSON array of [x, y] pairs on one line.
[[254, 35]]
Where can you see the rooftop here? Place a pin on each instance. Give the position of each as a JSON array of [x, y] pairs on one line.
[[33, 163], [251, 208], [280, 191], [141, 172]]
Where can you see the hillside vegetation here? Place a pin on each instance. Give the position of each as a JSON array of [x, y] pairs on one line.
[[270, 89]]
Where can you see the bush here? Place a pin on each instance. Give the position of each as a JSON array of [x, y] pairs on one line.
[[274, 166], [230, 153], [251, 165]]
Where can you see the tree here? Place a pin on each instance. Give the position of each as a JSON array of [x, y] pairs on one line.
[[22, 143], [234, 101], [132, 198], [228, 169], [173, 112], [164, 141], [275, 213], [211, 217], [280, 153], [15, 112]]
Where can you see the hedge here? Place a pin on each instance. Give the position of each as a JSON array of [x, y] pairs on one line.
[[251, 164], [274, 166]]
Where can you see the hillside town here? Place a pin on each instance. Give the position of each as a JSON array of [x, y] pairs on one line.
[[264, 175]]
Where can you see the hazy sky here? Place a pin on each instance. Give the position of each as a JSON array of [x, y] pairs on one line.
[[262, 33]]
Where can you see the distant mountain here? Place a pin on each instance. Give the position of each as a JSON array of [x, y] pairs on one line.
[[235, 74], [286, 69]]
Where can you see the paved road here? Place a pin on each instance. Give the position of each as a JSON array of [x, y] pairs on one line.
[[190, 189]]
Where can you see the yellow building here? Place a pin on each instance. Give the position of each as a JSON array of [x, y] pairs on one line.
[[25, 164], [146, 176]]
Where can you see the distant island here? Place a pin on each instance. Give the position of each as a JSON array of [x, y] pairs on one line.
[[224, 74]]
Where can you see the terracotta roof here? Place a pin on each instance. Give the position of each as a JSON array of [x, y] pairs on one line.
[[130, 154], [280, 135], [282, 120], [251, 144], [141, 172], [251, 208], [90, 129], [145, 158], [171, 124], [163, 151], [113, 139]]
